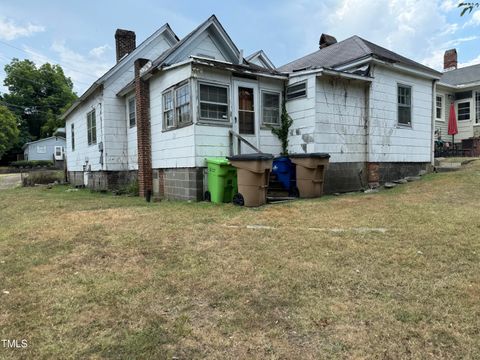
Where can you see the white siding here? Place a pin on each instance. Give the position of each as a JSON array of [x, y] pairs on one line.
[[442, 126], [340, 119], [211, 140], [303, 113], [389, 142], [84, 154], [172, 148]]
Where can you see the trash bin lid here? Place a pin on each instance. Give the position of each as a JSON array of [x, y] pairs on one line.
[[310, 155], [217, 161], [250, 157]]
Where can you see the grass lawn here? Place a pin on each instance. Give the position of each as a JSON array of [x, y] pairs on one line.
[[389, 275]]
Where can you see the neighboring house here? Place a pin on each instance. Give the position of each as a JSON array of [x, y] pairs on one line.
[[368, 107], [169, 103], [462, 88], [51, 148]]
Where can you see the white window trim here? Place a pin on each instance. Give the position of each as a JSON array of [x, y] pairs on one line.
[[128, 111], [173, 89], [295, 84], [88, 128], [272, 92], [210, 120], [442, 116], [471, 109], [400, 125]]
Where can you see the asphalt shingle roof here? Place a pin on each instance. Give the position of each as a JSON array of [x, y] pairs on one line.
[[462, 76], [347, 51]]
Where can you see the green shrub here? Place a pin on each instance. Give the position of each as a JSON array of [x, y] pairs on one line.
[[31, 163], [131, 189], [42, 177]]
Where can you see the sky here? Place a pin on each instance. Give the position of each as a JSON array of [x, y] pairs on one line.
[[79, 35]]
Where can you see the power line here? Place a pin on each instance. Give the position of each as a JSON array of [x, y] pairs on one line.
[[33, 81], [58, 62], [24, 108]]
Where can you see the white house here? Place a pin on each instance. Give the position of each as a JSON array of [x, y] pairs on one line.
[[461, 87], [169, 103]]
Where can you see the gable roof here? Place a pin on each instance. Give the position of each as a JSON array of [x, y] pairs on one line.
[[165, 29], [41, 140], [349, 50], [260, 54], [168, 57], [462, 76]]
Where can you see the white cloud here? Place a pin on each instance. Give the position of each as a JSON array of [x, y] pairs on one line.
[[449, 5], [82, 69], [474, 61], [99, 51], [9, 30], [475, 19], [435, 60]]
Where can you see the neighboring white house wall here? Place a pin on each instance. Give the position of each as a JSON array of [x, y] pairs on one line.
[[388, 141], [171, 148], [340, 119], [303, 113], [84, 154], [441, 125]]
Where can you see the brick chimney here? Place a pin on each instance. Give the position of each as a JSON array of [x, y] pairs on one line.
[[326, 40], [124, 42], [142, 114], [450, 60]]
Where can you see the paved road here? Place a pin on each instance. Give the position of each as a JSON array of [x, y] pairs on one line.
[[9, 181]]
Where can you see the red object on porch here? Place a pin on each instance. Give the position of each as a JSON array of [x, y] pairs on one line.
[[452, 121]]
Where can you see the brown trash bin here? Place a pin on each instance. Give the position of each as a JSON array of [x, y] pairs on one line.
[[253, 174], [310, 173]]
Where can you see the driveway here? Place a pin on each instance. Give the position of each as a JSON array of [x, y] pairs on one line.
[[9, 181]]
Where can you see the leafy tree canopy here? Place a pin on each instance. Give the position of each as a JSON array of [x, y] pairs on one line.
[[9, 131], [38, 96], [468, 7]]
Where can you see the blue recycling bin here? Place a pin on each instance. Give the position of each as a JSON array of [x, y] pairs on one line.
[[284, 170]]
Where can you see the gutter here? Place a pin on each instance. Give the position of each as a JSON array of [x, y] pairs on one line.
[[459, 87], [332, 72]]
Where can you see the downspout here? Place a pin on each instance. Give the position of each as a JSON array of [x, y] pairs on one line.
[[367, 125], [432, 143]]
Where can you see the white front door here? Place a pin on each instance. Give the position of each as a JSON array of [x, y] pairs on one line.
[[246, 113]]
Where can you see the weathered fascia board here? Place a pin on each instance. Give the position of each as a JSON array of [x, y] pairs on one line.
[[459, 87], [331, 72]]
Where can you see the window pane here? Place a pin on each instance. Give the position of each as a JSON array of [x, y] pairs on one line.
[[212, 93], [213, 111], [271, 108], [168, 101], [245, 99], [246, 122], [404, 115], [131, 112], [183, 114], [182, 95], [296, 91], [477, 107], [463, 111]]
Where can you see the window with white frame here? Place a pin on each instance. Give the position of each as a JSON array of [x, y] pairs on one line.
[[213, 102], [91, 128], [296, 91], [182, 104], [404, 115], [168, 118], [463, 109], [270, 108], [439, 107], [132, 121], [477, 107], [41, 149], [177, 106], [72, 133]]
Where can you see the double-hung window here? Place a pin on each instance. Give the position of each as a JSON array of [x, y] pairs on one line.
[[131, 112], [168, 118], [213, 102], [182, 104], [91, 128], [404, 95], [176, 106], [270, 108], [439, 107]]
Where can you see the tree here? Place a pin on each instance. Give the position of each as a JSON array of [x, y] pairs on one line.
[[468, 7], [38, 96], [282, 131], [9, 131]]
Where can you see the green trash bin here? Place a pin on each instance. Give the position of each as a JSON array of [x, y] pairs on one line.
[[222, 181]]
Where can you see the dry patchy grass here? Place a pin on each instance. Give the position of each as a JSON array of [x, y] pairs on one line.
[[389, 275]]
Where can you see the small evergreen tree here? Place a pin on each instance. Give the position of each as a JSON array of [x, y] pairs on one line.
[[282, 131]]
